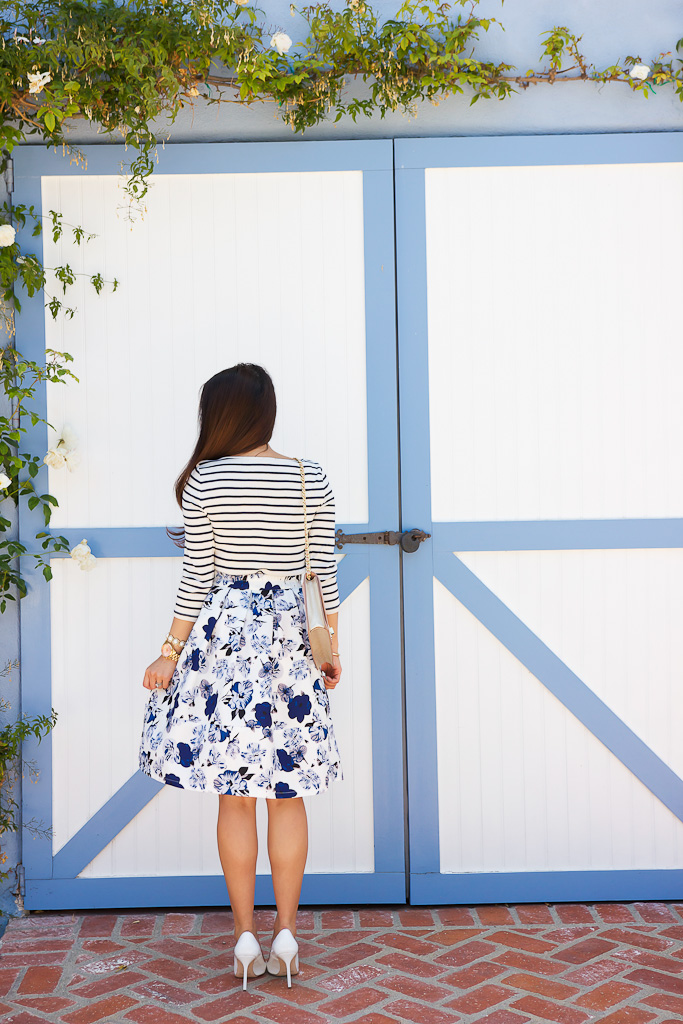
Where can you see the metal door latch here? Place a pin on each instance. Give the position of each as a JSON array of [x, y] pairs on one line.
[[409, 540]]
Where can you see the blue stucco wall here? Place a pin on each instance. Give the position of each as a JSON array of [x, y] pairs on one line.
[[611, 29]]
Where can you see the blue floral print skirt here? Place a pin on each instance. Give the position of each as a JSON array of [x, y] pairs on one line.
[[246, 712]]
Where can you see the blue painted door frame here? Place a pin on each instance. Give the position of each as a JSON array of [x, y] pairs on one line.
[[399, 584], [436, 557], [52, 882]]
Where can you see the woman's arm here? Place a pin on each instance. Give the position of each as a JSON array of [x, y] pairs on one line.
[[199, 566], [332, 678], [322, 542], [196, 579]]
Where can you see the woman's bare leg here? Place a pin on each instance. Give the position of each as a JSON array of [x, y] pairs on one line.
[[238, 849], [287, 850]]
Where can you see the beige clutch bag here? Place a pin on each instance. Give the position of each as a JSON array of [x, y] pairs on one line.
[[316, 615]]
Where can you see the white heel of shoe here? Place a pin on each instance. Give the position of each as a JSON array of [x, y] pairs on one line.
[[248, 955], [284, 955]]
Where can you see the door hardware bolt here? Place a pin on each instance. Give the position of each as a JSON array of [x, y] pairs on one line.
[[409, 540]]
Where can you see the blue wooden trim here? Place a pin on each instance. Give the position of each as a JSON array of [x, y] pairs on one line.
[[380, 331], [141, 541], [558, 534], [387, 713], [564, 684], [214, 158], [104, 825], [119, 541], [205, 891], [36, 671], [383, 514], [494, 535], [350, 574], [538, 150], [411, 258], [546, 886]]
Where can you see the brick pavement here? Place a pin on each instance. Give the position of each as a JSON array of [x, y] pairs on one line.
[[617, 963]]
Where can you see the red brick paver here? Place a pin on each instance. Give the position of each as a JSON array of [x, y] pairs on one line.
[[617, 963]]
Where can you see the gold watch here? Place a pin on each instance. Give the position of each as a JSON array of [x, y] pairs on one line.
[[168, 651]]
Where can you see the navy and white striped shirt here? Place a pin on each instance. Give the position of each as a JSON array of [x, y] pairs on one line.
[[245, 512]]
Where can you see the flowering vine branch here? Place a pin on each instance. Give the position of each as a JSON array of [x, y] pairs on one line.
[[121, 63], [27, 268], [19, 377]]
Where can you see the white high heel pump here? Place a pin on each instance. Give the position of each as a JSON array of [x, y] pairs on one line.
[[284, 955], [248, 955]]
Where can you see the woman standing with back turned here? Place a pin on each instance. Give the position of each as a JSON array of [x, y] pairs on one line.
[[238, 706]]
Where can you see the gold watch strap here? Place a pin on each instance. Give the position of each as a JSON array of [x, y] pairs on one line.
[[174, 656]]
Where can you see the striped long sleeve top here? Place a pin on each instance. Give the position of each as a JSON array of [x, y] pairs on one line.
[[245, 512]]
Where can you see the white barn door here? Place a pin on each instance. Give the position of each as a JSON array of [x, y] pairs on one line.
[[539, 284], [280, 254]]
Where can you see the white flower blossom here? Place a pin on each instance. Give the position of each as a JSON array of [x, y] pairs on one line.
[[72, 459], [242, 2], [55, 458], [64, 452], [83, 555], [39, 81], [640, 71], [5, 481], [281, 42], [68, 437], [7, 235]]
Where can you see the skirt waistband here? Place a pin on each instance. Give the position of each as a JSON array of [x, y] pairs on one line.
[[256, 575]]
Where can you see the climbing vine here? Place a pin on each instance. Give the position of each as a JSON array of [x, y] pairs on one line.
[[20, 377], [13, 764], [120, 64]]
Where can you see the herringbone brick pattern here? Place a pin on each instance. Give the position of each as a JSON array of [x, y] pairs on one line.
[[617, 963]]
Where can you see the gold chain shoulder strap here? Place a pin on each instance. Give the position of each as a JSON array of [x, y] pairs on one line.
[[309, 574]]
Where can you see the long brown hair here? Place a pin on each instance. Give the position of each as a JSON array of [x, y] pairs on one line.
[[236, 413]]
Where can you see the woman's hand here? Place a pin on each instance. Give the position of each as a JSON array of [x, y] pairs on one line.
[[159, 673], [331, 673]]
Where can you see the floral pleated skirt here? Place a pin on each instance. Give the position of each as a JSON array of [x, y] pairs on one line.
[[246, 712]]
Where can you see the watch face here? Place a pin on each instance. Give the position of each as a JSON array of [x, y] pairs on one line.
[[166, 650]]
